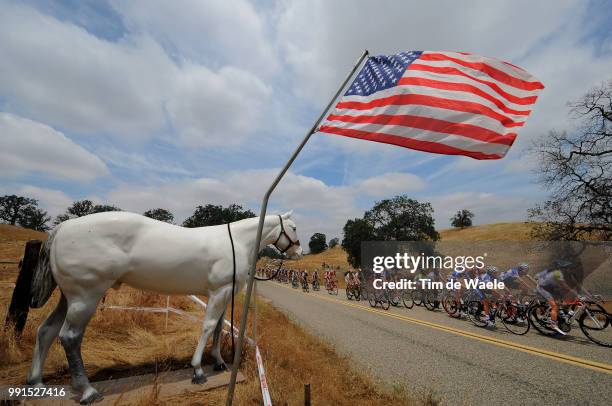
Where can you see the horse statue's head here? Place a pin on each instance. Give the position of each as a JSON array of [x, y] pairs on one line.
[[287, 241]]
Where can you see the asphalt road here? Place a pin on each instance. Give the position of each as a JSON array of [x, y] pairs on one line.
[[461, 363]]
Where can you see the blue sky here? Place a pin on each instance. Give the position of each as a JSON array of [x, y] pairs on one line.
[[147, 104]]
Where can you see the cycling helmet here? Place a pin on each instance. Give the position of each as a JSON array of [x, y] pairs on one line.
[[492, 270], [523, 268]]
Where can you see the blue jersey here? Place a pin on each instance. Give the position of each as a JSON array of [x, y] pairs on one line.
[[510, 275], [484, 278]]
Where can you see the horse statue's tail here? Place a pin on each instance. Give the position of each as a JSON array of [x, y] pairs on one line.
[[43, 283]]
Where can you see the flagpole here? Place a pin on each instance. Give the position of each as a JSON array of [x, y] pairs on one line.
[[262, 214]]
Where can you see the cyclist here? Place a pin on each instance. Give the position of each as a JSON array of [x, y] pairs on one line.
[[515, 278], [315, 277], [348, 279], [488, 275], [458, 276], [304, 277], [552, 286], [357, 275]]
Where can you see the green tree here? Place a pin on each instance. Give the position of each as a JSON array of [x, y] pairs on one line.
[[271, 252], [317, 243], [402, 219], [160, 214], [333, 242], [34, 218], [213, 215], [13, 207], [101, 208], [82, 208], [356, 231], [463, 218]]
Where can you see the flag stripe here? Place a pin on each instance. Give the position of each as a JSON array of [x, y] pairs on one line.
[[430, 124], [460, 87], [456, 141], [439, 93], [446, 67], [486, 69], [495, 63], [433, 112], [454, 75], [421, 145], [458, 105]]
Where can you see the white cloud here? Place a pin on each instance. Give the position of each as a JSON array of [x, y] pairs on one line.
[[216, 109], [53, 201], [225, 31], [59, 73], [28, 147], [391, 184]]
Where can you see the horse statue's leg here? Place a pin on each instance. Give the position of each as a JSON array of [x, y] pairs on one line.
[[217, 302], [215, 352], [80, 311], [47, 331]]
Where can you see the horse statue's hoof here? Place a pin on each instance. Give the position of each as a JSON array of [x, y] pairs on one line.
[[90, 396], [220, 367], [198, 379]]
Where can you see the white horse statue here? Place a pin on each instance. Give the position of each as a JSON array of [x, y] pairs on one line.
[[88, 255]]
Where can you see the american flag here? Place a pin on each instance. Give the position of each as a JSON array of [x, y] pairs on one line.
[[453, 103]]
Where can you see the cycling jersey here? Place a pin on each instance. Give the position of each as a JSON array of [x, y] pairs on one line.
[[549, 285], [483, 278], [510, 278]]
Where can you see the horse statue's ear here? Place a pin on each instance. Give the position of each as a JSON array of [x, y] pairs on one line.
[[287, 215]]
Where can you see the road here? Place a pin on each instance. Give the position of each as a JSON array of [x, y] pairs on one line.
[[461, 363]]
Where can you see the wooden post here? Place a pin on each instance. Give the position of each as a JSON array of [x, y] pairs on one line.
[[20, 302], [307, 394]]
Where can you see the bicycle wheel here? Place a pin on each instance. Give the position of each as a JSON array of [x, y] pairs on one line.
[[335, 290], [363, 293], [394, 298], [595, 324], [475, 315], [514, 318], [356, 295], [349, 293], [372, 299], [407, 299], [539, 316], [385, 301], [450, 305], [417, 297], [429, 301]]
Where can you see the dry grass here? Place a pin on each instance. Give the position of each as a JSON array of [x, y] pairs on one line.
[[490, 232], [124, 343]]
